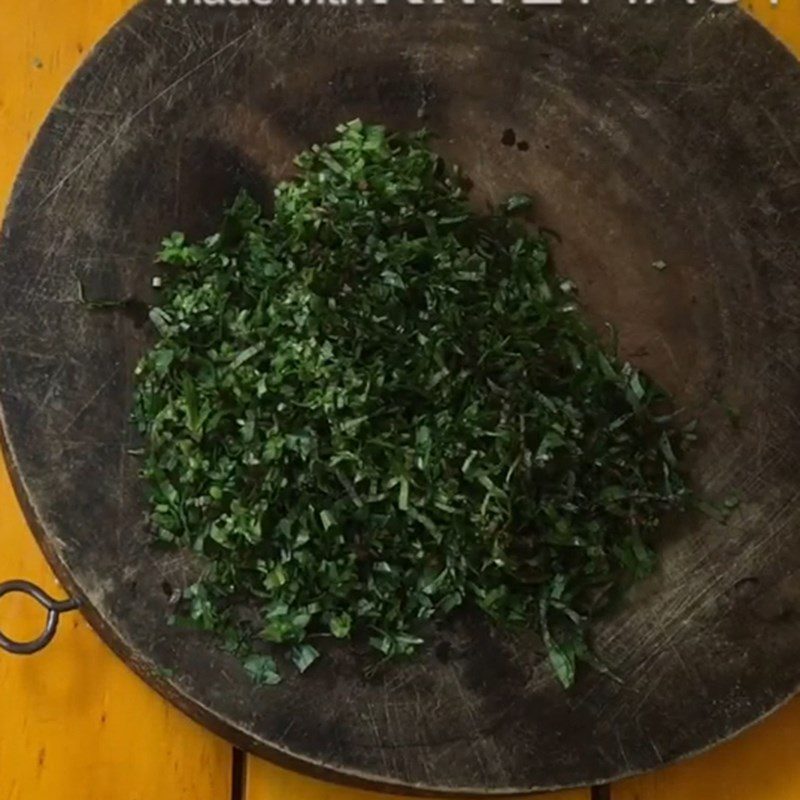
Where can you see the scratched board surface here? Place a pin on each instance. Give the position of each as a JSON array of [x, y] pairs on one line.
[[645, 143]]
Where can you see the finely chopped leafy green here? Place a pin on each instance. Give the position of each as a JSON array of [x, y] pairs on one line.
[[376, 407]]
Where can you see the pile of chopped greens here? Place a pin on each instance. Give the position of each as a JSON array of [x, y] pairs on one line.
[[377, 407]]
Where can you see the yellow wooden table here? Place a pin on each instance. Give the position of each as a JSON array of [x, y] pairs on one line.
[[75, 722]]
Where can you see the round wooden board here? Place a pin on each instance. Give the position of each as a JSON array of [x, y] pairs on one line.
[[663, 133]]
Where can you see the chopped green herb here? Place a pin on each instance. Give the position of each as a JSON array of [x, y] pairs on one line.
[[304, 655], [99, 304], [262, 669], [165, 672], [719, 512], [517, 203], [376, 407]]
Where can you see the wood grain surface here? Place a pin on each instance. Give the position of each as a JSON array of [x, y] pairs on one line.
[[763, 763], [266, 781], [644, 144], [75, 722], [756, 764]]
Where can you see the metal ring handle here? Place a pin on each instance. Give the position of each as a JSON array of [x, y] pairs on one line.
[[54, 610]]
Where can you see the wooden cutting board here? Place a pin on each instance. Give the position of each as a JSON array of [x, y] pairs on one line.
[[665, 133]]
